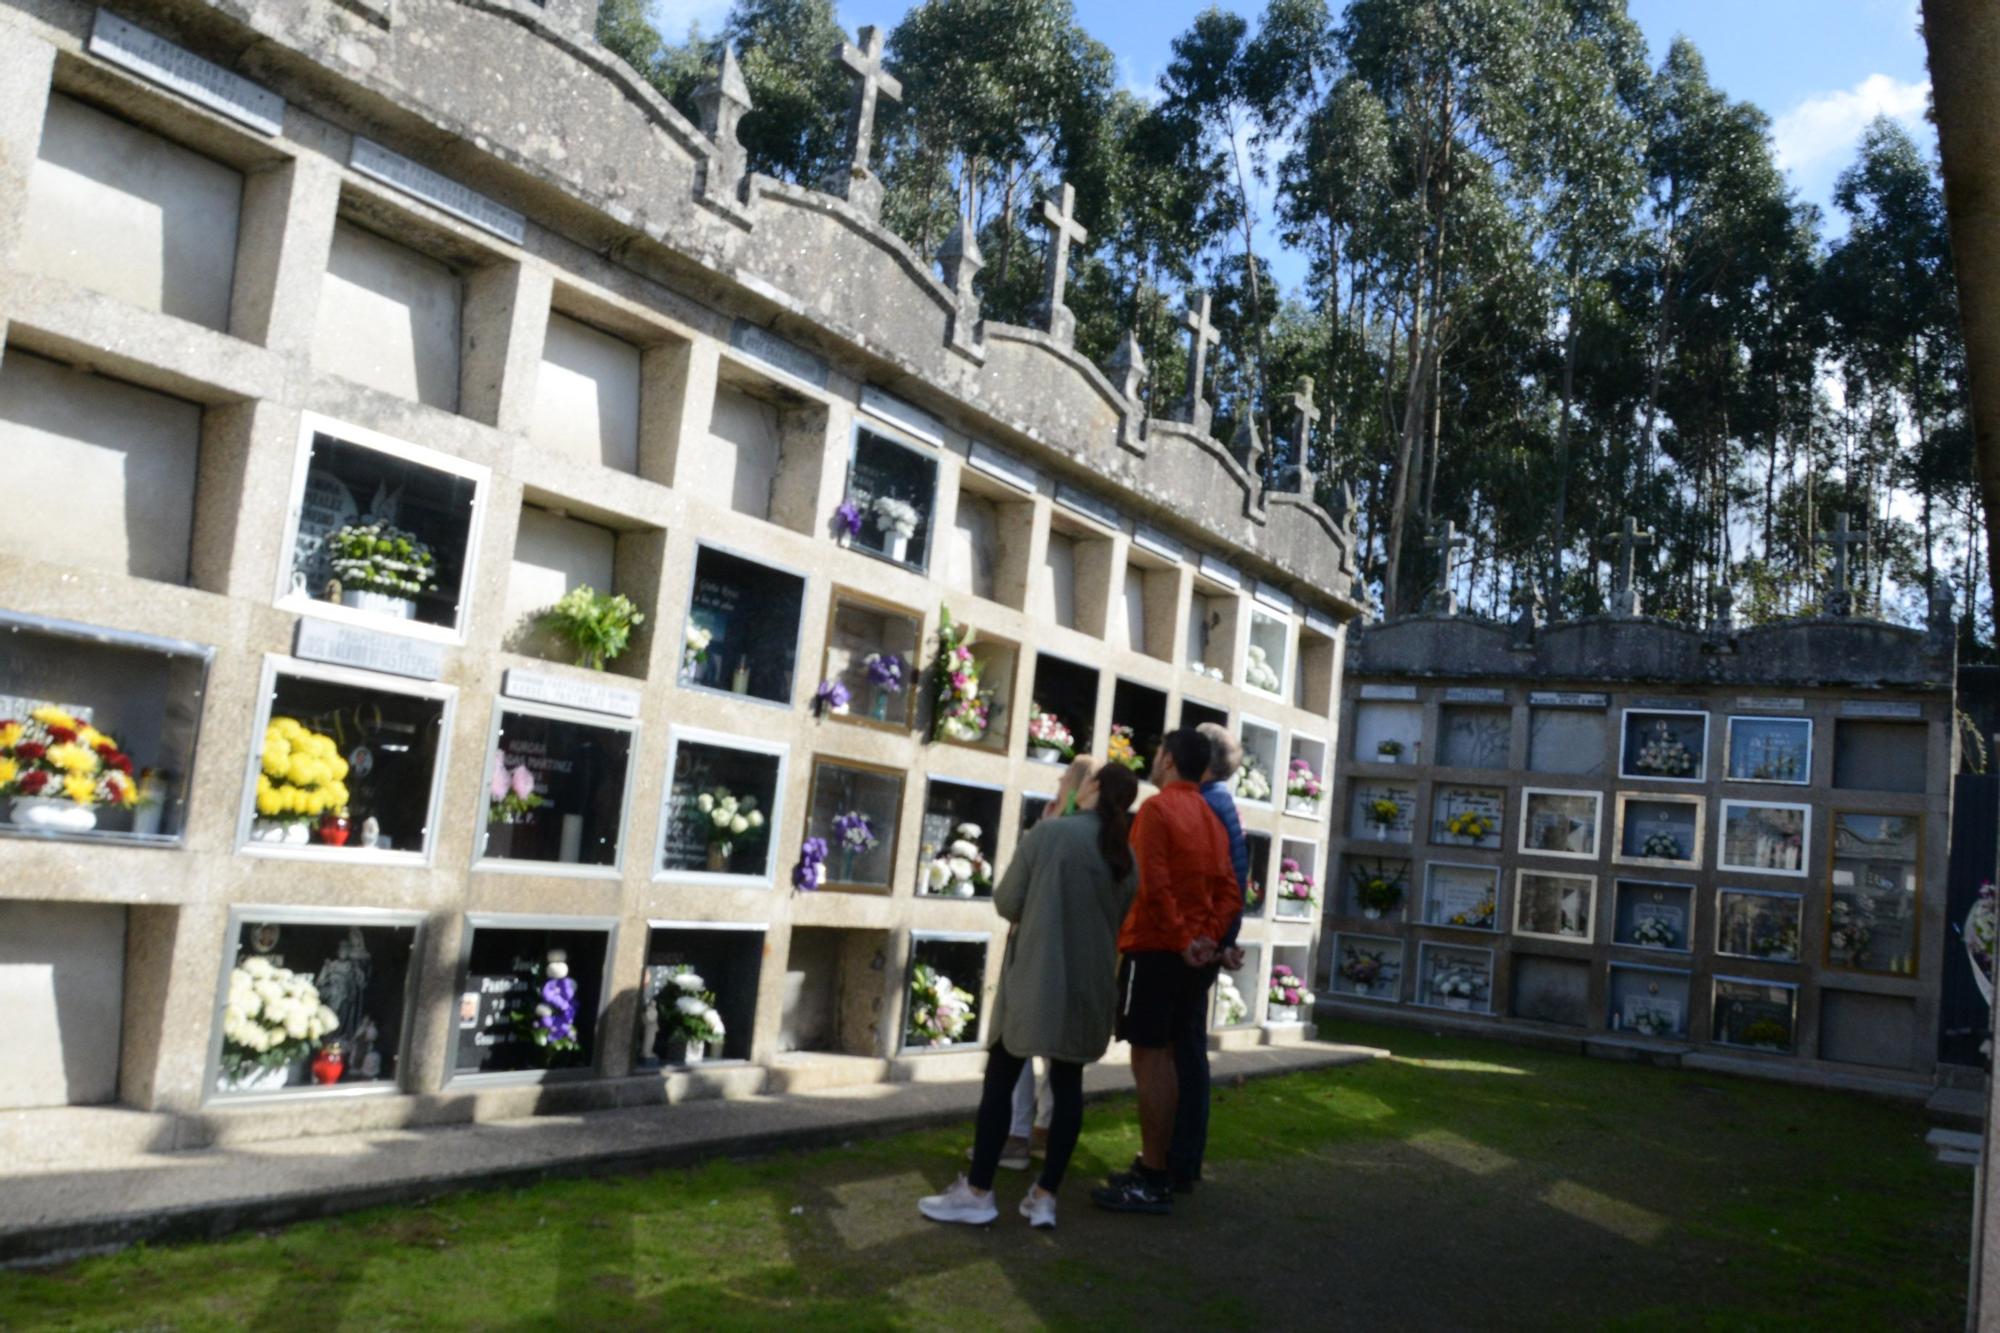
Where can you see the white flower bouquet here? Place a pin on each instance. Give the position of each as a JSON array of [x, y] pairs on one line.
[[1230, 1006], [962, 871], [1250, 782], [896, 518], [687, 1009], [272, 1018], [1456, 983], [1258, 673], [1653, 933], [940, 1013], [729, 818], [694, 648]]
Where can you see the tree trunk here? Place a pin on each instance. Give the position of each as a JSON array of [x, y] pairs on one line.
[[1556, 534]]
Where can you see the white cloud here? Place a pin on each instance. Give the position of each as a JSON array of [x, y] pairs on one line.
[[1824, 128]]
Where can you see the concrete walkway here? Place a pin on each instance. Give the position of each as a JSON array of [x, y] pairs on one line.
[[60, 1210]]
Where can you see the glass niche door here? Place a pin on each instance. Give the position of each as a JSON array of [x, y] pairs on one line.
[[557, 791]]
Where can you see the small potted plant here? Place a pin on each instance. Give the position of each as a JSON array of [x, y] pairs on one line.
[[380, 569], [961, 870], [1250, 782], [1289, 998], [1377, 893], [1389, 752], [1302, 789], [1296, 895], [272, 1021], [940, 1013], [729, 820], [897, 520], [1360, 969], [58, 770], [1120, 750], [688, 1018], [597, 626], [1049, 741]]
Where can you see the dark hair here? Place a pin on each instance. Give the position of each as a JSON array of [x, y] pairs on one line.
[[1191, 752], [1117, 788]]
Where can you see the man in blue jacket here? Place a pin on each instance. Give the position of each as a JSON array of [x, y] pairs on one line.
[[1190, 1141]]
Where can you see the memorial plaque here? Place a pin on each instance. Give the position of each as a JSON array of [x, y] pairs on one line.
[[1092, 508], [1756, 1014], [760, 344], [1388, 691], [912, 419], [1791, 705], [367, 649], [1659, 830], [1474, 735], [440, 191], [1880, 708], [1159, 543], [160, 61], [1220, 572], [1770, 749], [1370, 817], [1672, 705], [487, 1037], [1463, 896], [1455, 978], [1467, 817], [1767, 838], [1653, 916], [1275, 598], [589, 696], [1560, 823], [1567, 699], [1567, 740], [1003, 467], [1554, 906], [1762, 925], [1474, 694]]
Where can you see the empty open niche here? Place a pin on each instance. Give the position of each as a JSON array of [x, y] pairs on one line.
[[1568, 740], [1210, 649], [1550, 990], [132, 451], [530, 995], [1474, 735], [389, 318], [563, 582], [698, 993], [1055, 582], [122, 211], [836, 989], [1147, 603], [556, 787], [1880, 756], [587, 393], [1313, 684], [62, 970], [1195, 713]]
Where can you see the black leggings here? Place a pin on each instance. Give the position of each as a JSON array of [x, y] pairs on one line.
[[996, 1114]]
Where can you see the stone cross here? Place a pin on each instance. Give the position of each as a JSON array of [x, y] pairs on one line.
[[961, 261], [1722, 608], [1063, 228], [1840, 596], [1304, 417], [1624, 586], [1201, 334], [857, 184], [1447, 541], [1528, 611], [722, 103]]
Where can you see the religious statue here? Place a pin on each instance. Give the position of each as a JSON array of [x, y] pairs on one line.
[[343, 986]]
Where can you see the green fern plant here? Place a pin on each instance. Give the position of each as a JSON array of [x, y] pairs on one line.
[[598, 625]]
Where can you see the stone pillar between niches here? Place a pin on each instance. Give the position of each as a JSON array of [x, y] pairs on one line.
[[430, 1032], [501, 332], [676, 400], [173, 970], [26, 64], [1100, 578], [1167, 602], [805, 443], [617, 1026], [282, 240]]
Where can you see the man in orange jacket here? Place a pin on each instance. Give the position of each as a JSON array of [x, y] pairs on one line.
[[1188, 896]]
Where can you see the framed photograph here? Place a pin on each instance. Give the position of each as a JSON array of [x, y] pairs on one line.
[[1664, 745], [1463, 896], [1451, 976], [1467, 816], [1560, 823], [1766, 837], [1770, 749], [1551, 905], [1874, 893], [1757, 1015], [1653, 916], [1665, 831], [1758, 923]]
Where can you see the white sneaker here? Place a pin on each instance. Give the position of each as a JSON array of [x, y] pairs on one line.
[[1039, 1209], [959, 1204]]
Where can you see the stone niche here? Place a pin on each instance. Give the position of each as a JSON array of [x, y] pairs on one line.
[[857, 809], [1551, 990], [1055, 580], [836, 990], [938, 957], [1235, 1004], [762, 453], [1143, 710], [578, 775], [955, 812], [1648, 1001], [1474, 736], [986, 551], [587, 395], [361, 966], [1195, 713], [134, 452], [874, 648], [1257, 896], [558, 550], [1857, 1028], [1366, 967], [122, 211], [742, 631], [723, 768], [1880, 756], [1314, 684], [893, 488], [505, 971], [729, 959], [1068, 691], [62, 982], [389, 318], [1387, 733], [1214, 612], [1073, 586], [1147, 605], [1568, 740]]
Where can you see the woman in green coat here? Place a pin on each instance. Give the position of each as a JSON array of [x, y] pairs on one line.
[[1066, 891]]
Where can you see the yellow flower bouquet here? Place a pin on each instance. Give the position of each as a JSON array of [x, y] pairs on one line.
[[57, 770], [301, 779]]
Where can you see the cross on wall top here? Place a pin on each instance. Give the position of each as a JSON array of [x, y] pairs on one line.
[[1840, 593], [1059, 215], [1201, 334], [1447, 541], [864, 62], [1624, 589]]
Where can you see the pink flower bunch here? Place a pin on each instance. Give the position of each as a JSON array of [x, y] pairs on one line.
[[1293, 881], [1288, 987], [1302, 782]]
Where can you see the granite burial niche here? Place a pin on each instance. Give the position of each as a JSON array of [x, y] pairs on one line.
[[741, 633], [531, 992], [715, 783], [872, 650], [698, 993], [892, 488], [944, 1004], [837, 991], [1238, 991], [557, 785], [1064, 721], [1138, 721], [961, 837], [855, 808]]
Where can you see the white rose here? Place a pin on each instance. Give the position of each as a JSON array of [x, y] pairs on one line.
[[965, 888], [739, 825], [704, 803], [970, 831], [691, 1005], [960, 868], [720, 818], [964, 849], [714, 1021], [756, 819], [689, 981], [256, 967], [937, 874], [329, 1021]]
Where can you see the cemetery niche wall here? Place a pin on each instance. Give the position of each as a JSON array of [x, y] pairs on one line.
[[367, 397], [1716, 846]]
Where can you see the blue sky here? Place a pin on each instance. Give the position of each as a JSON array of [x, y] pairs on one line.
[[1821, 68]]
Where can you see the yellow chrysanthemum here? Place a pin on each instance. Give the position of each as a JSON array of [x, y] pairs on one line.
[[79, 789], [9, 770], [338, 767], [51, 716], [10, 735], [267, 802], [73, 759], [87, 735]]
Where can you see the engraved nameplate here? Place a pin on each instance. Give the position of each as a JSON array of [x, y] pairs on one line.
[[760, 344], [913, 419], [1274, 598], [1003, 467], [1089, 506], [1159, 543], [588, 695], [1879, 708], [1568, 699], [1772, 705], [156, 59], [1388, 691], [1685, 705], [397, 172], [1474, 694], [1320, 623], [370, 650], [1220, 572]]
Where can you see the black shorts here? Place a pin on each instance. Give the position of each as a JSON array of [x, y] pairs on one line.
[[1158, 996]]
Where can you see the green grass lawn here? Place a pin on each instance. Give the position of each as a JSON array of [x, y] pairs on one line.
[[1462, 1184]]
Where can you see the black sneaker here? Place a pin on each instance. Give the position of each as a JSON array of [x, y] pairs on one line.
[[1130, 1192]]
